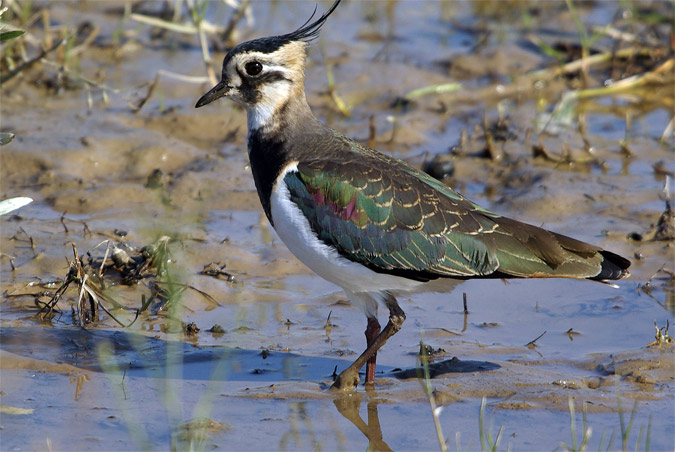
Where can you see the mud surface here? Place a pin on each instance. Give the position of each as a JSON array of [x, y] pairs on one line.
[[260, 381]]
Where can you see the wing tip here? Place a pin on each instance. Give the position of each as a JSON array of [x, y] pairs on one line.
[[613, 267]]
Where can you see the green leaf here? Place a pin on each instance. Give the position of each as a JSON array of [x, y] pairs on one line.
[[5, 137], [7, 35]]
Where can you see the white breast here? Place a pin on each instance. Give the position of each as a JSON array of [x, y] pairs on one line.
[[296, 233]]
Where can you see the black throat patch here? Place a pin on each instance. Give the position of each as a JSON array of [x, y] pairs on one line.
[[268, 158]]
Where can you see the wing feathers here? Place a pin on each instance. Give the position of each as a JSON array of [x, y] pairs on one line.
[[388, 216]]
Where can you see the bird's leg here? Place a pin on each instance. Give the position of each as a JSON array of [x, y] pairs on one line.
[[349, 378], [372, 331]]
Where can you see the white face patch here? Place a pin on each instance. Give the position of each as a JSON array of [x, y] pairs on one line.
[[274, 95]]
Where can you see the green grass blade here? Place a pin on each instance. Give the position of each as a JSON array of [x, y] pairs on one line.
[[7, 35], [481, 430]]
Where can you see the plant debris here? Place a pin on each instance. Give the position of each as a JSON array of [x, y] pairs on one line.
[[120, 264], [662, 337]]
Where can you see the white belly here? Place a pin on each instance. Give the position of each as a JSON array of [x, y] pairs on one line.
[[296, 233]]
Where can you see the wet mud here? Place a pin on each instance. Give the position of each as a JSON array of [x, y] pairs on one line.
[[226, 341]]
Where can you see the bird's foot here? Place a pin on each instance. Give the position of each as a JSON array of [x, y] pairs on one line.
[[347, 381]]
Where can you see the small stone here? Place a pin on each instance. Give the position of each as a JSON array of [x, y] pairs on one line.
[[216, 329], [635, 236], [567, 384], [644, 379]]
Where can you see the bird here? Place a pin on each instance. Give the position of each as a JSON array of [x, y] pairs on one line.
[[372, 224]]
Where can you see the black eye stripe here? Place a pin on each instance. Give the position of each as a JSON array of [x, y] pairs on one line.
[[273, 76], [267, 77], [250, 86]]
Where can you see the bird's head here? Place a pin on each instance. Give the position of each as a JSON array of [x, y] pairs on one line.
[[265, 75]]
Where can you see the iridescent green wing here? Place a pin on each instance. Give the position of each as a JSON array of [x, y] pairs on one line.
[[389, 219], [508, 247]]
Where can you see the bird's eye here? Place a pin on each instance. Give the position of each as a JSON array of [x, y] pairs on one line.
[[253, 68]]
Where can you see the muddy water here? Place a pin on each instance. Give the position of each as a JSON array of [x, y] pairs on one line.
[[261, 385]]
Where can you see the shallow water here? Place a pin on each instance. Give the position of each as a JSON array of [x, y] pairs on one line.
[[262, 384]]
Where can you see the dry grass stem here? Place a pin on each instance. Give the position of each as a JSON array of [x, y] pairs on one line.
[[25, 65], [186, 28], [240, 11]]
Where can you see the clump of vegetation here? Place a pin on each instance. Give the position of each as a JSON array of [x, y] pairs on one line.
[[92, 276], [56, 50], [120, 264], [662, 337]]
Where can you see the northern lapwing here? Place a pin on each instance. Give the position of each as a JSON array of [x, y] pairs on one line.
[[372, 224]]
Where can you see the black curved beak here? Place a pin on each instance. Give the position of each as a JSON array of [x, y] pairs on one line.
[[218, 91]]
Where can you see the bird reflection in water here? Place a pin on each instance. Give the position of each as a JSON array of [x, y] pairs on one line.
[[349, 407]]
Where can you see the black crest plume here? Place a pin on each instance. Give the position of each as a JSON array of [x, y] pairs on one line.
[[309, 31]]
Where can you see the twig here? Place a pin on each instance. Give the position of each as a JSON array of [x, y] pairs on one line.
[[339, 103], [63, 222], [532, 342], [583, 39], [328, 324], [115, 318], [43, 53], [206, 55], [576, 65], [617, 34], [105, 257], [80, 308], [433, 89], [628, 83], [137, 107], [204, 294], [236, 17], [196, 79], [75, 75], [50, 306], [87, 42], [189, 29]]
